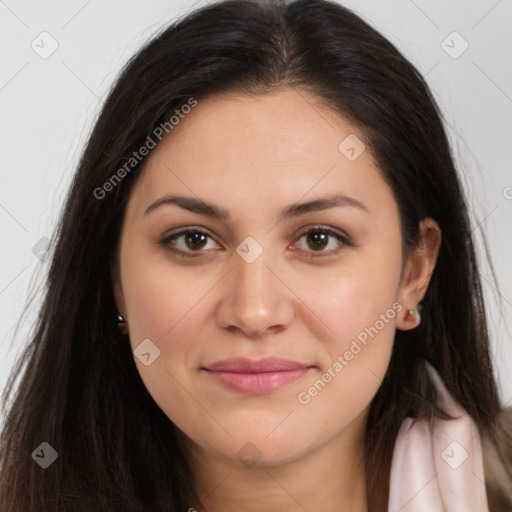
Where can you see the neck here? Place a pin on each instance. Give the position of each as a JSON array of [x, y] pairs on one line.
[[327, 479]]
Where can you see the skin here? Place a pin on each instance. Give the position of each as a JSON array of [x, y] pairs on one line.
[[254, 156]]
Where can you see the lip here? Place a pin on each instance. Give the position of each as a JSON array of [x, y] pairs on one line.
[[256, 377], [266, 364]]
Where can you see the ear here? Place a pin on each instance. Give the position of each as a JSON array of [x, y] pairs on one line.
[[418, 270]]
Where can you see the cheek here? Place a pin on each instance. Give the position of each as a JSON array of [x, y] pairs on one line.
[[159, 298], [353, 302], [164, 306], [359, 306], [357, 353], [362, 320]]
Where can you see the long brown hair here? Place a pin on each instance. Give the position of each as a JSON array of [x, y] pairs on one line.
[[80, 390]]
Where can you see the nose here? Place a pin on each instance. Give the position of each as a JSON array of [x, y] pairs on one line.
[[256, 300]]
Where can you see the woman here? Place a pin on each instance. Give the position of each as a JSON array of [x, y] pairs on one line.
[[269, 208]]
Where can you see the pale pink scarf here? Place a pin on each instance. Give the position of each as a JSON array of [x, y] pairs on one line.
[[438, 469]]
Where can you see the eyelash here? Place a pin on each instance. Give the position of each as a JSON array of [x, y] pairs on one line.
[[310, 255]]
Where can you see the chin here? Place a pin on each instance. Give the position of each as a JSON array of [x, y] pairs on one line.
[[260, 451]]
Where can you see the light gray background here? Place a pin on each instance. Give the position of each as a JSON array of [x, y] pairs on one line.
[[49, 105]]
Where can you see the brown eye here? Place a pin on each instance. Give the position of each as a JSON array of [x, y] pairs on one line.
[[195, 240], [317, 239], [188, 243]]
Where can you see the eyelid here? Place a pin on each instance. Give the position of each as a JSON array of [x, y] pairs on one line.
[[321, 227], [185, 230]]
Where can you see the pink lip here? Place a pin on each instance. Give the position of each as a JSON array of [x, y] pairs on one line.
[[255, 377], [267, 364]]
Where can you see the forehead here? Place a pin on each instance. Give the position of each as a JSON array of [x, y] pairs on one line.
[[256, 149]]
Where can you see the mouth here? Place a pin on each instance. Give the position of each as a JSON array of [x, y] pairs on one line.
[[256, 377]]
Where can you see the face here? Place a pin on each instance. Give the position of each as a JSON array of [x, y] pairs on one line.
[[258, 276]]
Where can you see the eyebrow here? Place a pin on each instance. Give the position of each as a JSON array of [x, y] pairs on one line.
[[201, 207]]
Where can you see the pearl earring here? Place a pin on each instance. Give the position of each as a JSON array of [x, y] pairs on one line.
[[414, 313], [122, 324]]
